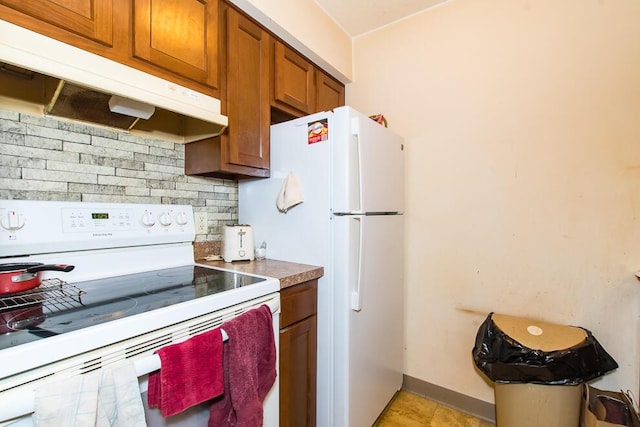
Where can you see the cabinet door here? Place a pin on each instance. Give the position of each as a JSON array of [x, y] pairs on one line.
[[180, 36], [294, 84], [329, 92], [92, 19], [243, 150], [247, 92], [298, 374]]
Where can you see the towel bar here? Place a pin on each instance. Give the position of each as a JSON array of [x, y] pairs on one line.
[[152, 363], [24, 400]]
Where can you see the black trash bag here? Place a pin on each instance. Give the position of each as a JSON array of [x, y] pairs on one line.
[[504, 360]]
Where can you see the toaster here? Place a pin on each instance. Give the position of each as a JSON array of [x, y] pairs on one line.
[[237, 243]]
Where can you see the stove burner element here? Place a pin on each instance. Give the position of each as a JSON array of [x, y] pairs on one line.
[[21, 318], [99, 314]]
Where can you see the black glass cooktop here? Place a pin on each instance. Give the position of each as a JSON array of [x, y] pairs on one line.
[[98, 301]]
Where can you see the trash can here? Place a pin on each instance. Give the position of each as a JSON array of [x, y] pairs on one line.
[[538, 369]]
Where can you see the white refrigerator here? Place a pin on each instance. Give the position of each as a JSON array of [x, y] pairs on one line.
[[349, 173]]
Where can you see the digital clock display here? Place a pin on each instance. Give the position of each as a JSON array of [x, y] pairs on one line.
[[100, 215]]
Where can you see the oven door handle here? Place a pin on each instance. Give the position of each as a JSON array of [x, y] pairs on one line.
[[152, 363]]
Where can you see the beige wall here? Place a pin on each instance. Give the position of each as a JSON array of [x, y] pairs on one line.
[[522, 127]]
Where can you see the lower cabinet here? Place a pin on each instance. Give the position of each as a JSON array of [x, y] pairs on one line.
[[298, 344]]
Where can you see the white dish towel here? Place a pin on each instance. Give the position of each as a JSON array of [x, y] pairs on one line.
[[106, 397], [290, 194]]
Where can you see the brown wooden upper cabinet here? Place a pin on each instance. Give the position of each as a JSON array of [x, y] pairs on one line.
[[299, 87], [180, 36], [243, 150], [293, 81], [330, 93], [92, 19], [173, 39], [247, 92]]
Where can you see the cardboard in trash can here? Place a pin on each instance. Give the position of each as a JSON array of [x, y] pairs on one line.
[[539, 335], [538, 405]]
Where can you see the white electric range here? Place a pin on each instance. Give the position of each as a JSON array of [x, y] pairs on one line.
[[134, 288]]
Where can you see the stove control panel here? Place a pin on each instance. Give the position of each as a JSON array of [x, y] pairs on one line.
[[31, 227], [85, 219]]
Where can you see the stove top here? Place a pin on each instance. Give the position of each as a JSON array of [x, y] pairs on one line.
[[57, 307]]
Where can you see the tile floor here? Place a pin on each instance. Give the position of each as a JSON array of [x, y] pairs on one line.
[[410, 410]]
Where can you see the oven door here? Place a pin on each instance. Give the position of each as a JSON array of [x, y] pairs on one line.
[[16, 403]]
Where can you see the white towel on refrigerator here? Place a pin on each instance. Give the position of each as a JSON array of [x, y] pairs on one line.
[[109, 397], [290, 194]]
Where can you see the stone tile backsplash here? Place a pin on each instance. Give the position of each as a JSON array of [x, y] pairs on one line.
[[43, 158]]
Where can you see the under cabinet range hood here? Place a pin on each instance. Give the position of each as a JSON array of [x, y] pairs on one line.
[[40, 75]]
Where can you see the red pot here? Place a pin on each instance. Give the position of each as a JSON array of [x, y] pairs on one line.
[[20, 277]]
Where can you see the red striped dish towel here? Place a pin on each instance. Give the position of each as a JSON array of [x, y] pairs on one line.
[[190, 373]]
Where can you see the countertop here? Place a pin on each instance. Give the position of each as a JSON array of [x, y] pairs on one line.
[[289, 273]]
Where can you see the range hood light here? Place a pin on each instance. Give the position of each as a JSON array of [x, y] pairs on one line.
[[129, 107]]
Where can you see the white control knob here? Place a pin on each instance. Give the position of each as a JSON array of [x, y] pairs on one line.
[[165, 218], [12, 220], [148, 219], [181, 218]]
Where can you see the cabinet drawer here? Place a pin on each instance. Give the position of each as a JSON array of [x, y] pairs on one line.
[[298, 302]]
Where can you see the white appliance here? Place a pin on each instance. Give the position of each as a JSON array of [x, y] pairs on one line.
[[87, 77], [135, 288], [237, 243], [351, 174]]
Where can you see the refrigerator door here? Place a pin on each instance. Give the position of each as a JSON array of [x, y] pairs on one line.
[[368, 331], [369, 165]]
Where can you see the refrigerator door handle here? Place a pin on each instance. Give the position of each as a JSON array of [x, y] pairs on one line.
[[355, 131], [356, 295]]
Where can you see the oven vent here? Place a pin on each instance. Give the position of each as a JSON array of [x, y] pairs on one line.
[[149, 345], [134, 349], [206, 325], [91, 365]]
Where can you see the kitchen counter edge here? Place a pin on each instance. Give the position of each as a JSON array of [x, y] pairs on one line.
[[289, 273]]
